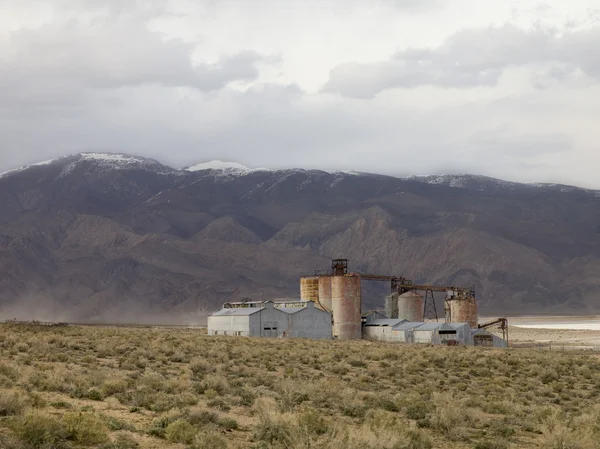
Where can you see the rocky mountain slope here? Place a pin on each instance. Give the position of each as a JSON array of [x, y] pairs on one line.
[[104, 236]]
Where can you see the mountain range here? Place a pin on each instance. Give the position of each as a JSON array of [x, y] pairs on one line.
[[98, 236]]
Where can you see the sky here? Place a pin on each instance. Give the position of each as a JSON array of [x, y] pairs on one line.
[[509, 89]]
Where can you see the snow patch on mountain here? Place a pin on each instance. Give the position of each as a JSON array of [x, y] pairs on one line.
[[462, 181], [116, 161], [111, 158], [20, 169], [217, 165]]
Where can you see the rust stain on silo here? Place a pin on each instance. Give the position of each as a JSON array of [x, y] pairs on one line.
[[309, 288], [325, 292], [346, 303], [465, 310]]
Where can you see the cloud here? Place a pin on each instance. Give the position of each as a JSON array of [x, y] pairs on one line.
[[184, 82], [116, 56], [470, 58]]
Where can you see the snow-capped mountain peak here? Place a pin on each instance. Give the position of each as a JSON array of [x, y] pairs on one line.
[[115, 161]]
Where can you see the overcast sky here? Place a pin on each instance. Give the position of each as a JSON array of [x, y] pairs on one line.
[[504, 88]]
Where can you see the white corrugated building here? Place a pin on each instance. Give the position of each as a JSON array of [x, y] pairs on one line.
[[404, 332], [443, 333], [382, 329], [297, 319]]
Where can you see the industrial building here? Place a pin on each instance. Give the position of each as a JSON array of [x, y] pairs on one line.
[[403, 331], [330, 306], [293, 319], [482, 337]]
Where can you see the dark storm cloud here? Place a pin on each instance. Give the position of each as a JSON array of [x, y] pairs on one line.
[[470, 58]]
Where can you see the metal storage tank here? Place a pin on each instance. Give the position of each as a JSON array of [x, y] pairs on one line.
[[325, 292], [410, 306], [345, 299], [309, 288], [391, 306], [464, 310]]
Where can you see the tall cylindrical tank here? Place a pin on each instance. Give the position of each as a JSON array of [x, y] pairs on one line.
[[309, 288], [464, 310], [345, 299], [325, 291], [410, 307], [391, 305]]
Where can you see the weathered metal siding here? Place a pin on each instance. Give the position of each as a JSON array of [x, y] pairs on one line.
[[309, 288], [391, 305], [425, 336], [310, 322], [464, 310], [325, 292], [270, 322], [482, 337], [383, 333], [410, 306], [229, 325], [463, 332], [346, 301]]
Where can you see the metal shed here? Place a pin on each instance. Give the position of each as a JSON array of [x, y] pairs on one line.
[[308, 322], [403, 332], [482, 337], [232, 321], [443, 333], [299, 320], [381, 329]]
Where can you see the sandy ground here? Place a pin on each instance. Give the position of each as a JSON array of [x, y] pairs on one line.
[[558, 330]]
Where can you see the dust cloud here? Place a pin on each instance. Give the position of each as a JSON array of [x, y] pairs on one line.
[[48, 310]]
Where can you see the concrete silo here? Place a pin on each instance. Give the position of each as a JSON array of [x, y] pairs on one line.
[[309, 288], [410, 307], [325, 292], [346, 304], [391, 305], [464, 310]]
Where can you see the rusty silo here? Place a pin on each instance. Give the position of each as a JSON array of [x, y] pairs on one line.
[[464, 310], [325, 292], [346, 302], [410, 307], [309, 288]]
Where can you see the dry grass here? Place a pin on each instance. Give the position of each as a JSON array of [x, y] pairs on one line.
[[122, 388]]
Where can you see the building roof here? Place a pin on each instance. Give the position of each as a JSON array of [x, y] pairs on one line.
[[429, 326], [385, 322], [433, 325], [291, 301], [242, 311], [291, 310], [407, 325], [457, 325], [260, 303]]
